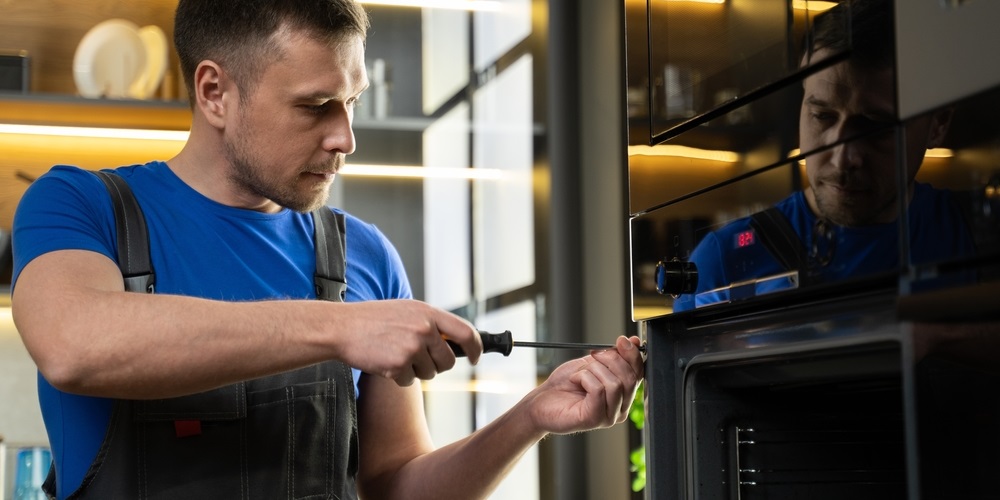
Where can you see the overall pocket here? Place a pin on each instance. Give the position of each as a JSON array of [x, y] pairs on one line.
[[292, 436]]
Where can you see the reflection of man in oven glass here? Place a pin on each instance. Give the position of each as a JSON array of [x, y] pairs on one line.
[[844, 224]]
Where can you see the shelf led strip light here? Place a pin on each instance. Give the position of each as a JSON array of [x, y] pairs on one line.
[[811, 5], [471, 5], [415, 171]]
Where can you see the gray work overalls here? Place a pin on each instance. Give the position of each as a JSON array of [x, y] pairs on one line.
[[292, 435]]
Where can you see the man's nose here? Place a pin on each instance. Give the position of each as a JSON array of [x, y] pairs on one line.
[[846, 154], [846, 150], [338, 135]]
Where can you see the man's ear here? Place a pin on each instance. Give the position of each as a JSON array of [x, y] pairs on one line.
[[210, 88], [939, 124]]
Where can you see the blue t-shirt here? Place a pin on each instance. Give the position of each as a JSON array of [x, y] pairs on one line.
[[730, 255], [199, 248]]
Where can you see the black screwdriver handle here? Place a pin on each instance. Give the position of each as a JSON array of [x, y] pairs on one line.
[[502, 343]]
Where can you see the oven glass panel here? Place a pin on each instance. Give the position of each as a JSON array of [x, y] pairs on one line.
[[954, 251], [705, 55], [859, 194], [772, 229], [670, 235]]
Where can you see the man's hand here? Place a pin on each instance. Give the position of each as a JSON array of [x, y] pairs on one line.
[[404, 340], [592, 392]]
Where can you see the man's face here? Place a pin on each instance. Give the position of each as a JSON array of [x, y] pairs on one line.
[[292, 134], [855, 183]]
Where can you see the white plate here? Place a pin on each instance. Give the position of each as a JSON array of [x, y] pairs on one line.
[[109, 58], [155, 42]]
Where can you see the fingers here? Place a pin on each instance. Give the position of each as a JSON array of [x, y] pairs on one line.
[[405, 378], [625, 360], [427, 353], [464, 335], [432, 356], [602, 405], [426, 366], [614, 388], [619, 372]]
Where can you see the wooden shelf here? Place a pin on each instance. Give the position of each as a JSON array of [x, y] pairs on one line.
[[25, 157], [50, 109]]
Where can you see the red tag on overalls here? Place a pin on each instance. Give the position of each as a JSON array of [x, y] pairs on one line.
[[187, 428]]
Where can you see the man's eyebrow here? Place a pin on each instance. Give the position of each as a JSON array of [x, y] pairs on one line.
[[814, 101], [882, 116], [316, 96], [326, 96]]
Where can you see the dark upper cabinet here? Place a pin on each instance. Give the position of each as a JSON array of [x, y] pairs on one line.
[[730, 113]]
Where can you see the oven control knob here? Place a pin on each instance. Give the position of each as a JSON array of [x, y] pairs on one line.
[[676, 277]]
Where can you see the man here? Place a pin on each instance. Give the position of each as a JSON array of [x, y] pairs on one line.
[[230, 381], [845, 220]]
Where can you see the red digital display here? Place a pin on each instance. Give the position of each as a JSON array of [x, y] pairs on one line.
[[744, 239]]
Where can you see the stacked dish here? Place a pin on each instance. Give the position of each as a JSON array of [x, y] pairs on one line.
[[118, 59]]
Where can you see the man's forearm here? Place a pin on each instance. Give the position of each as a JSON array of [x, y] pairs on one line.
[[468, 469], [125, 345]]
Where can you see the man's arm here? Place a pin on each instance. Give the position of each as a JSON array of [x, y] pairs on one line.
[[397, 456], [88, 336]]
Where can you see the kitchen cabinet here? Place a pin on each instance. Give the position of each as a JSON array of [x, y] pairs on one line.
[[700, 155], [50, 41], [785, 382], [49, 31], [26, 156]]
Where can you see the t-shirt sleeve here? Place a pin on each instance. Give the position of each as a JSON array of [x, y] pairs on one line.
[[396, 278], [66, 209], [374, 268]]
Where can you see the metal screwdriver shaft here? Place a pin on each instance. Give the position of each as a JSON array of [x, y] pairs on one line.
[[567, 345], [504, 342]]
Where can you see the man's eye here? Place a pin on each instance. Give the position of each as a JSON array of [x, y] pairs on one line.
[[823, 117], [317, 109]]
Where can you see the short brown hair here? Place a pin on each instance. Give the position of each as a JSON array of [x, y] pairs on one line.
[[238, 34], [863, 27]]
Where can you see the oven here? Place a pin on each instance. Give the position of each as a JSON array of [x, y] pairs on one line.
[[824, 400], [851, 369]]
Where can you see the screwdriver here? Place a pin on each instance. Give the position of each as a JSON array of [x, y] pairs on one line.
[[504, 342]]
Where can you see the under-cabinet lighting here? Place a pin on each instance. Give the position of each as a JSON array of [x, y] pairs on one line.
[[96, 132], [813, 5], [931, 153], [421, 172], [939, 153], [699, 1], [685, 152], [471, 5], [810, 5], [406, 171]]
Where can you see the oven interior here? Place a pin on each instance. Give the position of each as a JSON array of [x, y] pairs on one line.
[[827, 424]]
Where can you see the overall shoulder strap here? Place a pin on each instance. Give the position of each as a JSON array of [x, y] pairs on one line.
[[780, 239], [331, 255], [136, 266], [133, 238]]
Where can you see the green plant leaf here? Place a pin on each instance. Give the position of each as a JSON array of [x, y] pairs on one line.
[[638, 459], [637, 412]]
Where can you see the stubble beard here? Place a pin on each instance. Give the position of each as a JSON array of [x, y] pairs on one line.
[[249, 174], [852, 213]]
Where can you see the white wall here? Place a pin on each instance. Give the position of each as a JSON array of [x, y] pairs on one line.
[[20, 417]]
